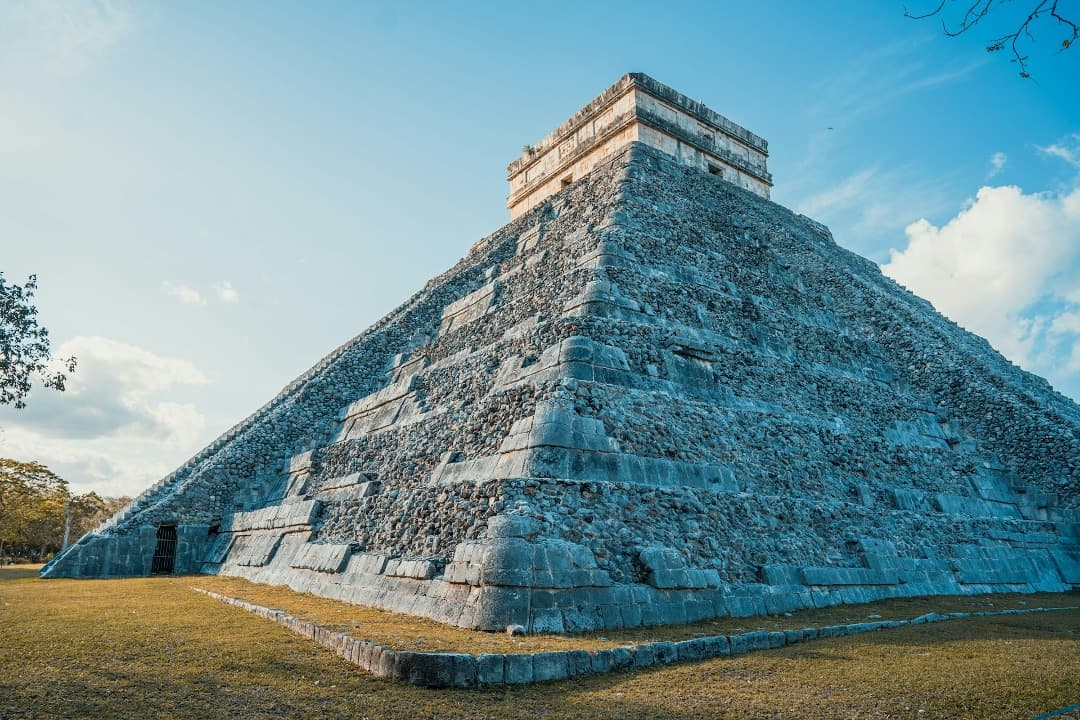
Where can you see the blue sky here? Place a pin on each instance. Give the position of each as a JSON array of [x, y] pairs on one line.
[[215, 195]]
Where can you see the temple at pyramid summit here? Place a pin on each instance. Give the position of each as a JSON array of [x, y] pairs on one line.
[[655, 396], [638, 109]]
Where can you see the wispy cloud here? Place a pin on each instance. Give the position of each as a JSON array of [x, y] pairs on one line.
[[872, 204], [870, 200], [878, 79], [223, 291], [868, 84], [930, 79], [60, 37], [842, 195], [183, 293], [997, 163], [1067, 149], [226, 292]]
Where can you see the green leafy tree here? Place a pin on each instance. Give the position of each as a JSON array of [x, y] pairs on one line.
[[36, 507], [24, 346], [32, 503], [90, 510]]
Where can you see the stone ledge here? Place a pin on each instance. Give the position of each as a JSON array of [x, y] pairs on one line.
[[461, 670]]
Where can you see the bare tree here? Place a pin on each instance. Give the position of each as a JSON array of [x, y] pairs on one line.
[[976, 10]]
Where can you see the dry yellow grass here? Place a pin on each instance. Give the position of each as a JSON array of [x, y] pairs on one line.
[[152, 648]]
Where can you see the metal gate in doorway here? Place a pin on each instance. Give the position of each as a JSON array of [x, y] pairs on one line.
[[165, 551]]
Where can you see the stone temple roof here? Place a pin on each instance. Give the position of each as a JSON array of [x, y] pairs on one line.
[[638, 108], [653, 398], [654, 87]]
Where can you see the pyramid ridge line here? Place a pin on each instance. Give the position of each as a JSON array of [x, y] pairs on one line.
[[990, 356], [470, 261], [524, 382]]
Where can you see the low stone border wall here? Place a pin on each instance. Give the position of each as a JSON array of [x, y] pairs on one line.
[[462, 670]]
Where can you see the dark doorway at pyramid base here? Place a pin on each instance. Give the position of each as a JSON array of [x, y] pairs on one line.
[[165, 550]]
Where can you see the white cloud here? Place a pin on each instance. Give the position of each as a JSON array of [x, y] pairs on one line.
[[114, 390], [1066, 322], [226, 292], [111, 430], [223, 291], [114, 468], [1007, 267], [183, 293], [997, 164], [1067, 149]]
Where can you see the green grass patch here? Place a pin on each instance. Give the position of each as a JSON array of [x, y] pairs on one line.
[[152, 648]]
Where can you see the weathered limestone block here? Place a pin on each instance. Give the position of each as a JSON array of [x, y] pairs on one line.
[[437, 670], [254, 550], [220, 548], [285, 515], [956, 504], [848, 576], [512, 526], [416, 568], [1068, 564], [469, 308], [666, 569], [490, 669], [323, 558], [518, 669]]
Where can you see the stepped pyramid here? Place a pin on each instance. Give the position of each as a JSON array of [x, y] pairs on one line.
[[654, 397]]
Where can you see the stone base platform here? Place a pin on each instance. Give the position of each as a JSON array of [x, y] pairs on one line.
[[461, 670]]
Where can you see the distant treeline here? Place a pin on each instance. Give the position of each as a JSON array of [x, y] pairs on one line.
[[36, 506]]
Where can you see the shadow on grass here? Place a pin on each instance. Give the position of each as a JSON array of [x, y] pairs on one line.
[[18, 572], [147, 647]]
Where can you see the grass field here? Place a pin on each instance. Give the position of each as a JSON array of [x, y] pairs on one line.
[[152, 648]]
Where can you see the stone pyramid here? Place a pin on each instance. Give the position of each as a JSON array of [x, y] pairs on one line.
[[654, 397]]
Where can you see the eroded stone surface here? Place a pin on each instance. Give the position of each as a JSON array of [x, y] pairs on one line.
[[655, 398]]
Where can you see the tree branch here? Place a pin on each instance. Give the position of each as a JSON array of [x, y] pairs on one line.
[[977, 10]]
